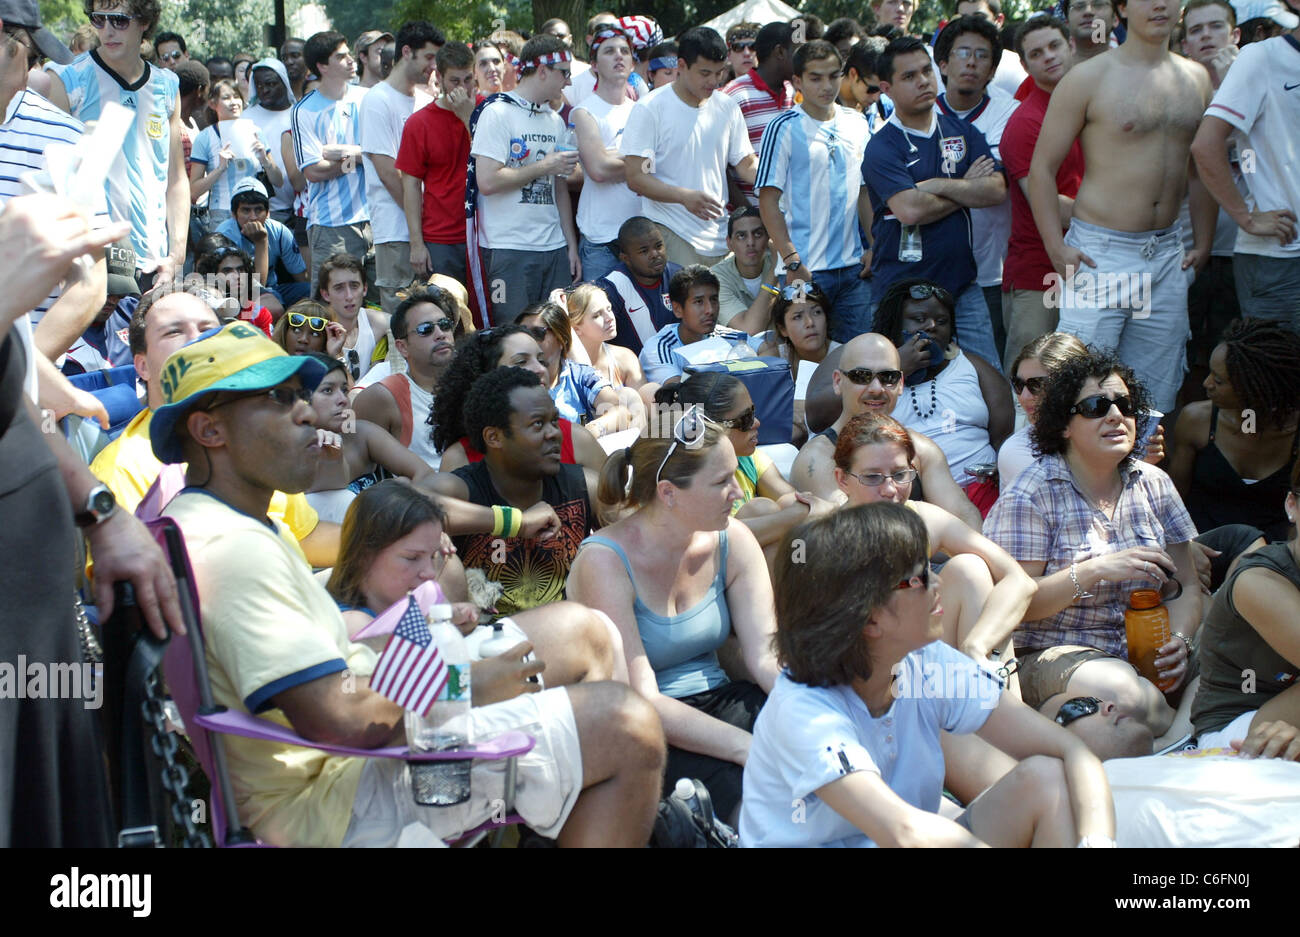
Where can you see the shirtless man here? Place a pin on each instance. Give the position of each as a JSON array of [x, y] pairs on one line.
[[814, 468], [1130, 291]]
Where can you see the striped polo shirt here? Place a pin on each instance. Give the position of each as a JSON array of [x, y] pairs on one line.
[[319, 121], [758, 105]]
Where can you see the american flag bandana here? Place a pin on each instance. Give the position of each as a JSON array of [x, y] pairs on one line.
[[550, 58], [644, 31]]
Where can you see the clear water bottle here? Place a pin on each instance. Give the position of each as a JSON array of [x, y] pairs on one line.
[[447, 726], [567, 143], [909, 244]]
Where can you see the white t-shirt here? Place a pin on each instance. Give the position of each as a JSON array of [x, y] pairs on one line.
[[273, 125], [515, 132], [1259, 97], [691, 148], [806, 737], [384, 111], [1014, 456], [581, 84], [1010, 74], [604, 206]]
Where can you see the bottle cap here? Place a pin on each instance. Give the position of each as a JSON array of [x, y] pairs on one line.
[[1144, 598], [684, 789]]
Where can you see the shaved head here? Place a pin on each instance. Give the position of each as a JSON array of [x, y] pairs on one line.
[[875, 353], [1108, 733], [869, 350]]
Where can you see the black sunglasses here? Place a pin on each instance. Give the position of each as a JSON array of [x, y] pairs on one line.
[[926, 290], [120, 21], [920, 581], [1098, 405], [354, 364], [864, 376], [1035, 385], [1077, 708], [425, 329], [284, 396], [744, 422], [743, 46]]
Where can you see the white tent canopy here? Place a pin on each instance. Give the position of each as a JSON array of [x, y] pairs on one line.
[[753, 11]]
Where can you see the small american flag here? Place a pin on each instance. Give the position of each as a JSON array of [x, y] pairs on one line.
[[411, 671]]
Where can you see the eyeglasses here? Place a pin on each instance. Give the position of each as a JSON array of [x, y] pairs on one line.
[[744, 46], [119, 21], [876, 479], [920, 581], [354, 364], [284, 396], [1098, 405], [744, 422], [979, 55], [864, 376], [1077, 708], [1035, 385], [872, 89], [926, 290], [317, 323], [688, 432], [425, 329], [172, 56]]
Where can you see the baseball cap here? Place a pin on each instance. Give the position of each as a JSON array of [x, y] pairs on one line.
[[27, 13], [245, 185], [120, 261], [369, 38], [236, 357], [1265, 9]]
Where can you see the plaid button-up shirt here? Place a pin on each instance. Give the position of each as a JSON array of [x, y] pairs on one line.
[[1043, 517]]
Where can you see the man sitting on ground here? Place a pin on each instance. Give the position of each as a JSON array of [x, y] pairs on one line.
[[250, 226], [638, 287], [694, 295]]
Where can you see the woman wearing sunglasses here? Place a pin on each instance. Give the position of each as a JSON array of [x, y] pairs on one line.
[[985, 592], [505, 346], [677, 576], [847, 750], [801, 317], [956, 399], [1091, 523], [309, 327], [1029, 373]]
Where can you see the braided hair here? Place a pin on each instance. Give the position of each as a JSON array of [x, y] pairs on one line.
[[1263, 363], [889, 314], [476, 354]]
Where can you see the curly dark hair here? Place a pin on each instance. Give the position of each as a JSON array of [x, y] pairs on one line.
[[849, 566], [1063, 387], [1263, 361], [476, 354], [147, 11], [488, 401], [889, 314]]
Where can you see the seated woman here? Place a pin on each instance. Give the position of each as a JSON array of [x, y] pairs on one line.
[[515, 346], [229, 271], [768, 504], [393, 541], [985, 592], [308, 327], [1029, 373], [594, 324], [846, 752], [1091, 523], [677, 576], [801, 318], [1250, 643], [580, 393], [1233, 453], [958, 400]]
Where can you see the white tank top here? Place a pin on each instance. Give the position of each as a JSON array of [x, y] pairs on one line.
[[421, 431], [955, 417], [365, 346]]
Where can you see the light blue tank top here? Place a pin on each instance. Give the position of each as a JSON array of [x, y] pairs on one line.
[[682, 648]]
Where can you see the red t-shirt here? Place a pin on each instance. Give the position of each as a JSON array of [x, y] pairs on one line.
[[1027, 263], [435, 148]]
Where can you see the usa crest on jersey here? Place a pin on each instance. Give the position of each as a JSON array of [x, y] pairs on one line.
[[953, 149]]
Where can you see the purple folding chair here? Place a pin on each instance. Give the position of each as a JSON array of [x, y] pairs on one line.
[[186, 670]]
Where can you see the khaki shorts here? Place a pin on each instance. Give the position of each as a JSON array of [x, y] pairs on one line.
[[1046, 672], [549, 780], [681, 251]]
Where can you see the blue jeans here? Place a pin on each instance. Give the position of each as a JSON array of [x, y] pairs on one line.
[[974, 329], [598, 260], [851, 306]]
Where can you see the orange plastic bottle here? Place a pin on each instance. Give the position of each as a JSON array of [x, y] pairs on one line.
[[1146, 623]]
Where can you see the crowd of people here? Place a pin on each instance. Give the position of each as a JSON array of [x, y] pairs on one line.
[[806, 377]]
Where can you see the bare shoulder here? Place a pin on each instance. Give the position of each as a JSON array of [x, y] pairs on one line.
[[1193, 423]]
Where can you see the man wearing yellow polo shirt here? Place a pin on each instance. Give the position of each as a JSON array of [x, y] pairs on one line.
[[128, 466]]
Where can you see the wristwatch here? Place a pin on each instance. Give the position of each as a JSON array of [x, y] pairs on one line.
[[100, 505]]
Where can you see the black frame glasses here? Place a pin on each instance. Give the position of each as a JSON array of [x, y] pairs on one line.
[[316, 323], [284, 396], [425, 329], [1097, 406], [354, 363], [920, 581], [876, 479], [1036, 385], [864, 376], [1077, 708], [742, 45], [744, 423]]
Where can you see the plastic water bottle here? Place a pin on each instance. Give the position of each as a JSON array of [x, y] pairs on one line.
[[1146, 626], [497, 644], [909, 244], [447, 726], [567, 143]]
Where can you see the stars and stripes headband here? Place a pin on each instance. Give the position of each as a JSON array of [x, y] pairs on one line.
[[550, 58], [644, 31], [605, 32]]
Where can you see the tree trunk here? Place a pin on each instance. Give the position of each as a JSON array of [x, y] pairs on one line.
[[573, 12]]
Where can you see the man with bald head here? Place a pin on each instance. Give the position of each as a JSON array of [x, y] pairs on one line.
[[866, 375]]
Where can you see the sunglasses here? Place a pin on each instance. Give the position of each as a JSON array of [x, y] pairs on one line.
[[864, 376], [744, 422], [1036, 385], [425, 329], [354, 364], [171, 56], [920, 581], [926, 290], [742, 46], [284, 396], [1077, 708], [873, 89], [317, 323], [1098, 405], [688, 432], [120, 21], [876, 479]]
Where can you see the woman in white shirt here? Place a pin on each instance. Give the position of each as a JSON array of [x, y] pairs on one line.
[[801, 334]]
